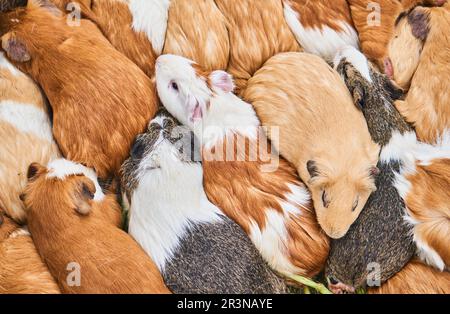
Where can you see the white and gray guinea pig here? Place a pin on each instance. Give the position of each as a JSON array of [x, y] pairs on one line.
[[196, 247]]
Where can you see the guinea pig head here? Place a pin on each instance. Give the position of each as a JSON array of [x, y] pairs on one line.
[[405, 47], [185, 89], [339, 197]]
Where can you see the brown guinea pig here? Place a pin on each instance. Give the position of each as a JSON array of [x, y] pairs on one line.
[[75, 230]]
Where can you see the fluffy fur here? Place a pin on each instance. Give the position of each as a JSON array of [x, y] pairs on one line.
[[424, 184], [25, 133], [416, 278], [269, 203], [197, 249], [21, 268], [95, 117], [197, 30], [69, 225], [427, 105], [380, 234], [322, 26], [307, 100], [257, 31]]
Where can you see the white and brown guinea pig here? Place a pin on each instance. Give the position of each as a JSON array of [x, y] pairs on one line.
[[322, 134], [198, 30], [416, 278], [258, 190], [95, 119], [321, 27], [419, 60], [74, 225], [424, 184], [21, 268], [25, 132], [257, 31], [136, 28]]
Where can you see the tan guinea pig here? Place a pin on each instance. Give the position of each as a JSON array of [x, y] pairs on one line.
[[322, 134]]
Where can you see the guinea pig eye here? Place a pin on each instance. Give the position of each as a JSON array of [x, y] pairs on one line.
[[355, 204], [325, 200], [174, 86]]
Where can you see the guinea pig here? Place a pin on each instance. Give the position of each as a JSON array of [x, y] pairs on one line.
[[95, 119], [256, 189], [321, 26], [416, 278], [257, 31], [307, 100], [198, 30], [426, 65], [25, 132], [424, 183], [136, 28], [75, 230], [21, 268], [195, 246], [379, 244]]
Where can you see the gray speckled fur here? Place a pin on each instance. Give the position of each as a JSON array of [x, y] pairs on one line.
[[380, 234], [211, 257]]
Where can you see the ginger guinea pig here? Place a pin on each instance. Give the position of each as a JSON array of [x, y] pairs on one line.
[[322, 134]]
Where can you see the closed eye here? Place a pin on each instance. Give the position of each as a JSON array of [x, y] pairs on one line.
[[355, 204], [325, 200], [174, 86]]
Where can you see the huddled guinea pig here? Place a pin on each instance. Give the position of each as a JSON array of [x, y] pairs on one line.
[[196, 247], [379, 244], [419, 59], [321, 26], [25, 133], [257, 31], [95, 119], [75, 230], [307, 100], [424, 184], [21, 268], [244, 177]]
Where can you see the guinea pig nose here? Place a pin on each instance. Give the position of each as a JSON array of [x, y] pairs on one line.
[[333, 280]]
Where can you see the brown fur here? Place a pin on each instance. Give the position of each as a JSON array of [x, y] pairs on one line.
[[428, 204], [257, 32], [416, 278], [20, 148], [427, 105], [114, 20], [21, 268], [197, 30], [110, 260], [318, 122], [95, 117]]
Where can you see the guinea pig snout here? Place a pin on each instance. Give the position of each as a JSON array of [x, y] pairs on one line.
[[338, 287]]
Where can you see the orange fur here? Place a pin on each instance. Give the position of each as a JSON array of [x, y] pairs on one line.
[[257, 31], [416, 278], [20, 147], [68, 226], [427, 105], [95, 118], [307, 100], [21, 268], [197, 30]]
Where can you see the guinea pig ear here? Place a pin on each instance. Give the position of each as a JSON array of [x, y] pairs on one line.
[[311, 166], [374, 172], [83, 197], [419, 21], [33, 171], [222, 80], [15, 48]]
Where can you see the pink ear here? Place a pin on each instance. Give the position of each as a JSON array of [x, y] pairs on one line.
[[222, 80], [388, 68], [196, 110]]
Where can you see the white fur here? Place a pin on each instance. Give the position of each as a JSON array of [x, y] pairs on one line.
[[26, 118], [428, 255], [400, 147], [62, 168], [150, 17], [20, 232], [323, 42], [356, 58], [5, 64], [168, 201]]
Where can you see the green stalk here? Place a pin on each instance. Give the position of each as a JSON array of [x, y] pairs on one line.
[[310, 283]]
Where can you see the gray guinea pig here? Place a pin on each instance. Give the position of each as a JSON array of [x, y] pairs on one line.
[[380, 243], [196, 247]]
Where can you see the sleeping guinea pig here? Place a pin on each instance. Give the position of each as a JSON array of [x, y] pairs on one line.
[[196, 247], [321, 133], [75, 230]]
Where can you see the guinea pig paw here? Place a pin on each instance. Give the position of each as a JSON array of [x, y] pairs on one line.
[[340, 288]]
